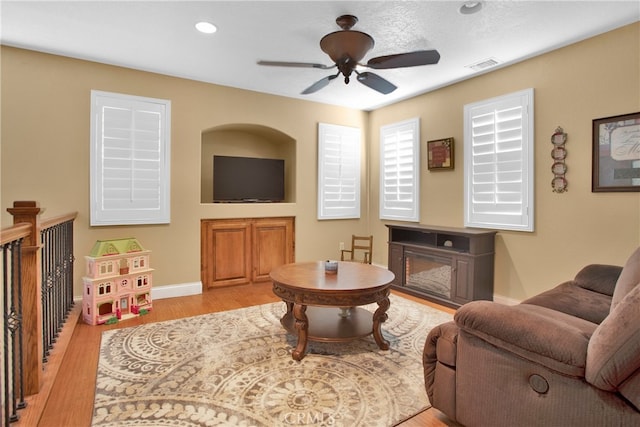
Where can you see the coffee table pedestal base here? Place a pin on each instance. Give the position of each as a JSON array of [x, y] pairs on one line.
[[332, 324]]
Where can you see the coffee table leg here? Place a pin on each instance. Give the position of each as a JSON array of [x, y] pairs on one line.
[[302, 326], [379, 317]]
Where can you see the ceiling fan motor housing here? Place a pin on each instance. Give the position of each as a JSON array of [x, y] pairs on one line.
[[346, 48], [351, 44]]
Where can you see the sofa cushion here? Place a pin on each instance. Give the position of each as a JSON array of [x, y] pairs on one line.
[[613, 353], [539, 334], [598, 278], [631, 389], [574, 300], [629, 278]]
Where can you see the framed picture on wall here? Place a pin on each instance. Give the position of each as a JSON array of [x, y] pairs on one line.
[[616, 153], [440, 154]]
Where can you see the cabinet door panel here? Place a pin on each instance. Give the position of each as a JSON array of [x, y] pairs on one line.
[[225, 257], [463, 286], [272, 246], [227, 244], [395, 263]]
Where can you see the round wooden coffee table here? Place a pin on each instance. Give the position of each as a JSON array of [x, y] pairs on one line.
[[324, 307]]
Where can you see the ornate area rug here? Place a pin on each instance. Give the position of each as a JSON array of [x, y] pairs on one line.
[[234, 368]]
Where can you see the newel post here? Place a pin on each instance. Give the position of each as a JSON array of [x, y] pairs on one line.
[[28, 212]]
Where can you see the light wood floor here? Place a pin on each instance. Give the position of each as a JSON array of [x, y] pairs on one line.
[[70, 401]]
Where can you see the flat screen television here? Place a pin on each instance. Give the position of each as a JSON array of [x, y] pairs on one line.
[[247, 179]]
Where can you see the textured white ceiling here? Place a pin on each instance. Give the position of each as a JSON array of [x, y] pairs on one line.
[[159, 36]]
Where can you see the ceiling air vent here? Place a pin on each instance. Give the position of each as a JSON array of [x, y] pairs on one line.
[[484, 64]]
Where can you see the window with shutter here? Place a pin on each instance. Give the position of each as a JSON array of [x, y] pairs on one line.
[[400, 170], [338, 172], [498, 167], [130, 159]]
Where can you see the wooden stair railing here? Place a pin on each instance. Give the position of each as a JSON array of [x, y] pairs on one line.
[[23, 305]]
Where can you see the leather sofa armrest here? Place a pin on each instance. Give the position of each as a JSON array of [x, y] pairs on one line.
[[440, 345], [547, 337], [613, 360], [439, 360]]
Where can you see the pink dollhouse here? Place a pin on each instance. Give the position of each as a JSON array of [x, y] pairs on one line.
[[118, 281]]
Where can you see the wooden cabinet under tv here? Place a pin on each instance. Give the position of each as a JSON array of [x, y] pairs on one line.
[[244, 250], [447, 265]]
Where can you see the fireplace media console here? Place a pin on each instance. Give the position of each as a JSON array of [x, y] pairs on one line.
[[447, 265]]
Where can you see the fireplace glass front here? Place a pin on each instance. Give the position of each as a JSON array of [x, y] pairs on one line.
[[428, 273]]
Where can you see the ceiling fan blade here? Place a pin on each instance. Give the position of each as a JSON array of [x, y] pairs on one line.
[[296, 64], [376, 82], [319, 84], [400, 60]]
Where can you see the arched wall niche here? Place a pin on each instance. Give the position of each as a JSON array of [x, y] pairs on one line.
[[246, 140]]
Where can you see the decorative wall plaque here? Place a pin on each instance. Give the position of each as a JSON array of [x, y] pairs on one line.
[[440, 154], [616, 153], [558, 154]]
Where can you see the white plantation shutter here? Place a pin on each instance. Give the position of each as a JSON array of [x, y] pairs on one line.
[[130, 159], [400, 170], [338, 172], [498, 139]]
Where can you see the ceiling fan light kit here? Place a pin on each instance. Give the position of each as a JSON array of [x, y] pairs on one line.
[[347, 47]]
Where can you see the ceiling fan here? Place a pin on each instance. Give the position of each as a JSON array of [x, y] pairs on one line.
[[347, 48]]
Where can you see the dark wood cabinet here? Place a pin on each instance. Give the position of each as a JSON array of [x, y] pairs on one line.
[[244, 250], [448, 265]]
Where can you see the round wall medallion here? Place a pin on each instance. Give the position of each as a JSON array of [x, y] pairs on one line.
[[559, 168], [559, 184], [559, 138], [559, 153]]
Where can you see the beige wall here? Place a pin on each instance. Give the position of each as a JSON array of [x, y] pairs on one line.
[[45, 155], [596, 78], [45, 152]]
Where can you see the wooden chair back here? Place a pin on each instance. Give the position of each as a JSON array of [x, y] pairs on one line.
[[361, 250]]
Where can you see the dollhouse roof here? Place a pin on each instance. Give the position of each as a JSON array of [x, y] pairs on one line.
[[115, 247]]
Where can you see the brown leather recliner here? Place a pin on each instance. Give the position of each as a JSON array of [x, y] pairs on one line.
[[567, 357]]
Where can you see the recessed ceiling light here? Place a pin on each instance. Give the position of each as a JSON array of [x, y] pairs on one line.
[[470, 7], [206, 27]]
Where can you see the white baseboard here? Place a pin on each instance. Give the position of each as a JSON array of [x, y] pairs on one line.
[[172, 291], [505, 300]]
